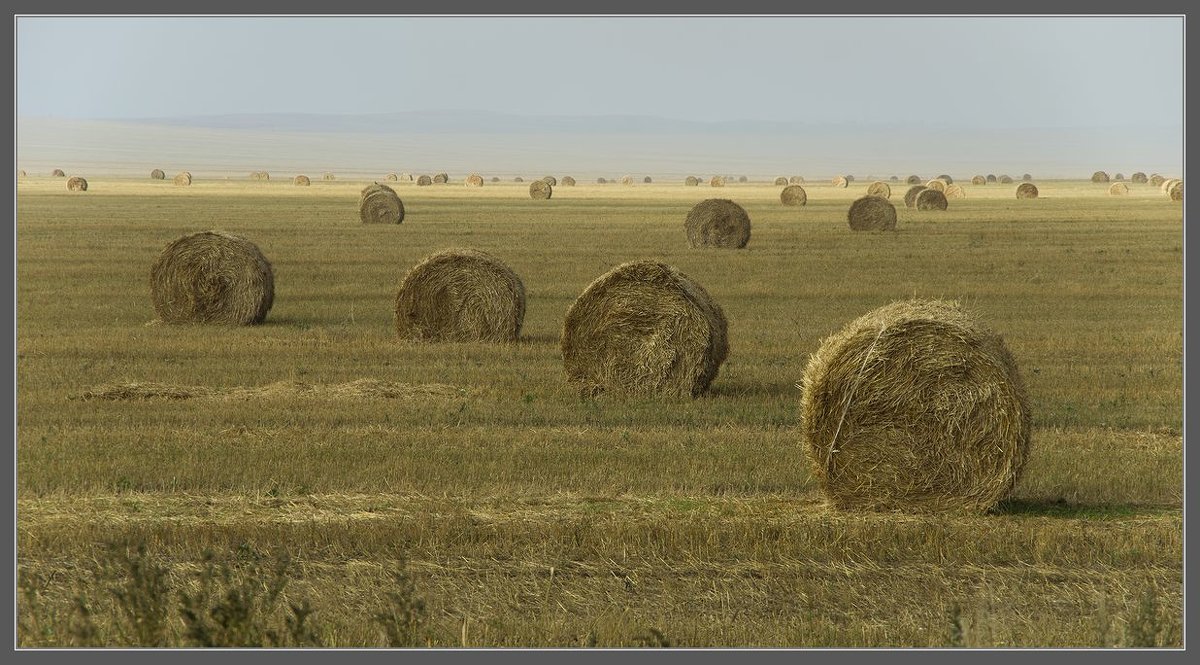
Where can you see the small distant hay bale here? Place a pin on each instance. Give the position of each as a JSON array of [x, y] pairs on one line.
[[879, 188], [550, 180], [301, 181], [1118, 189], [717, 181], [1138, 178], [328, 176], [913, 180], [719, 223], [1027, 190], [1118, 177], [979, 180], [627, 180], [76, 184], [644, 328], [518, 179], [872, 213], [849, 179], [841, 182], [1099, 176], [910, 197], [991, 178], [495, 178], [956, 191], [406, 177], [946, 179], [474, 180], [1026, 178], [1165, 187], [260, 175], [21, 173], [424, 181], [647, 180], [212, 277], [58, 173], [743, 179], [937, 185], [156, 174], [540, 190], [781, 181], [1006, 180], [182, 179], [691, 181], [793, 195], [1176, 191], [915, 407], [796, 180], [568, 181], [460, 295], [894, 178], [932, 199], [601, 181], [441, 179], [379, 204], [1156, 180], [392, 177]]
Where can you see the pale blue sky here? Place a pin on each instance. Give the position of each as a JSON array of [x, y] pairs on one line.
[[987, 72]]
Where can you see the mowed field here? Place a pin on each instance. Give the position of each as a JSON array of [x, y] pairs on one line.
[[491, 505]]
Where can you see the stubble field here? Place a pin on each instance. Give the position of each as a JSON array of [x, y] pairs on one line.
[[491, 505]]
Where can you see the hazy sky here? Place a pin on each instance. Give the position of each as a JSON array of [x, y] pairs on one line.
[[1006, 72]]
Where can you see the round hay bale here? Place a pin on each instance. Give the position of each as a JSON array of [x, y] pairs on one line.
[[21, 173], [1099, 176], [76, 184], [841, 182], [1027, 190], [156, 174], [495, 178], [879, 188], [1176, 191], [1165, 187], [474, 180], [1156, 180], [991, 178], [979, 180], [1005, 180], [793, 195], [913, 180], [1118, 178], [936, 184], [691, 181], [849, 179], [424, 181], [717, 223], [717, 181], [931, 199], [540, 190], [795, 180], [460, 295], [647, 180], [601, 181], [441, 179], [550, 180], [518, 179], [743, 179], [301, 181], [392, 177], [58, 173], [212, 277], [1138, 178], [781, 181], [627, 180], [894, 178], [1118, 189], [379, 204], [1026, 178], [260, 175], [568, 181], [910, 197], [406, 177], [182, 179], [328, 176], [644, 328], [915, 407], [956, 191], [946, 179], [872, 213]]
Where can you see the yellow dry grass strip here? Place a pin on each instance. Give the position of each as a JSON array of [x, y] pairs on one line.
[[358, 389]]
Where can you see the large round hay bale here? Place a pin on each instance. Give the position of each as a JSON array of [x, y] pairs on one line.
[[379, 204], [781, 181], [644, 328], [1027, 190], [793, 195], [1156, 180], [946, 179], [1099, 176], [1166, 185], [991, 178], [76, 184], [931, 199], [441, 178], [717, 223], [301, 181], [1118, 177], [424, 181], [627, 180], [913, 180], [182, 179], [841, 181], [157, 174], [328, 177], [796, 180], [540, 190], [915, 407], [879, 188], [212, 277], [691, 181], [935, 184], [1118, 189], [910, 197], [550, 180], [1176, 191], [647, 180], [58, 173], [872, 213], [568, 181], [717, 181], [392, 177], [1026, 178], [1138, 178], [979, 180], [1006, 180], [460, 295], [474, 180], [956, 191]]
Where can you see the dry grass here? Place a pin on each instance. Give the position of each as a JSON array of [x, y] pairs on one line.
[[357, 389]]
